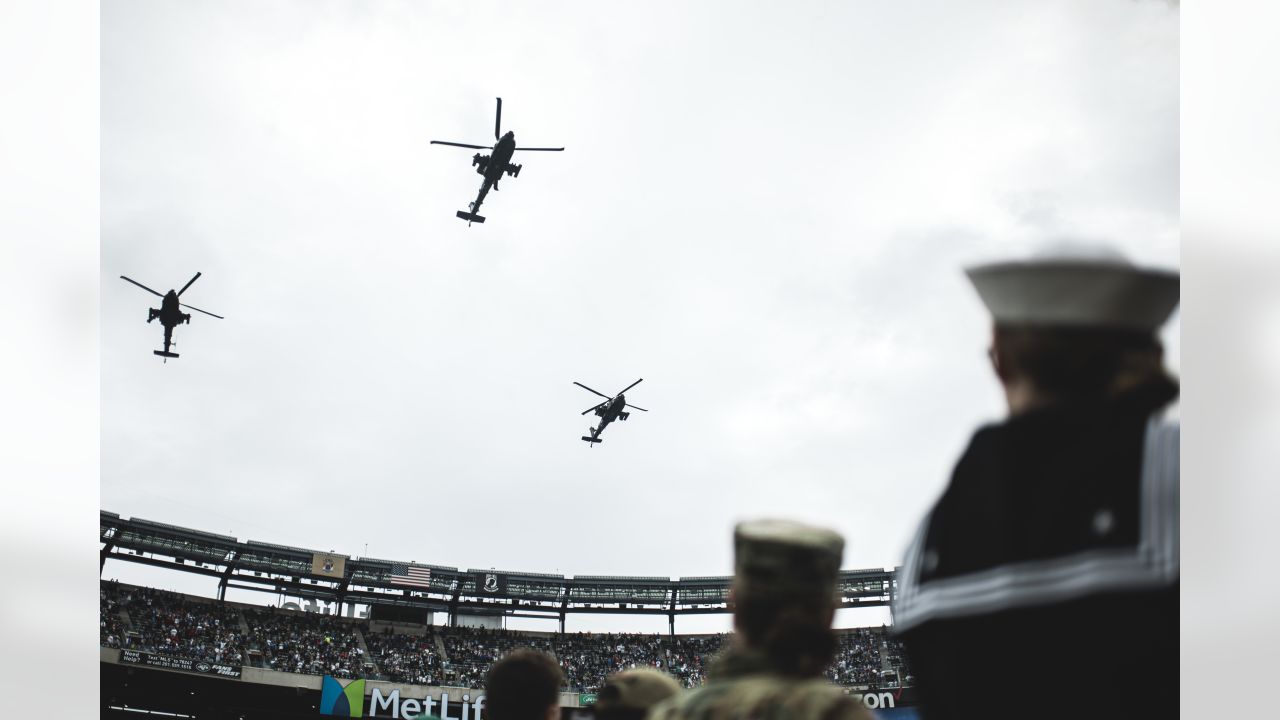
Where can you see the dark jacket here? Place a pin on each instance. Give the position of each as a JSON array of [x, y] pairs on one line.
[[1044, 582]]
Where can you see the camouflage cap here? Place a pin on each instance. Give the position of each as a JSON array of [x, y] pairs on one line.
[[785, 559], [635, 689]]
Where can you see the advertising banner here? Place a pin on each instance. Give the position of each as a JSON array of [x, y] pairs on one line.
[[168, 662], [886, 700], [488, 583], [421, 703], [328, 565]]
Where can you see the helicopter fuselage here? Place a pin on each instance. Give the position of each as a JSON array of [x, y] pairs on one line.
[[169, 315], [500, 158], [492, 167], [610, 412]]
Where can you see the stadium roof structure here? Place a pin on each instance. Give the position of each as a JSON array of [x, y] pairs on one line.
[[282, 569]]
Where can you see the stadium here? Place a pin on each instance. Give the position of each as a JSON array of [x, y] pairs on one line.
[[421, 641]]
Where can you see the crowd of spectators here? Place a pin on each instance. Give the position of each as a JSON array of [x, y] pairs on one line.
[[587, 659], [173, 624], [689, 655], [112, 624], [302, 642], [406, 657], [857, 659], [472, 651], [896, 653]]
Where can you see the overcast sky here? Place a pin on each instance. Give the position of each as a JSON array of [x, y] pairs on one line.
[[763, 210]]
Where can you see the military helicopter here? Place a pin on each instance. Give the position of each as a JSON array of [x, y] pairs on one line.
[[608, 411], [492, 166], [169, 314]]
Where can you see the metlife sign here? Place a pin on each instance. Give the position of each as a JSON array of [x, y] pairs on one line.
[[392, 705], [346, 698]]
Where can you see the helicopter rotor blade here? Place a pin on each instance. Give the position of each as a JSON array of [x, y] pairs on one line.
[[592, 409], [473, 147], [184, 287], [636, 407], [541, 149], [206, 312], [584, 387], [631, 386], [144, 287], [497, 122]]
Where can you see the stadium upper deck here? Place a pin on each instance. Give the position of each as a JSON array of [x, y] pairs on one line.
[[388, 584], [158, 626]]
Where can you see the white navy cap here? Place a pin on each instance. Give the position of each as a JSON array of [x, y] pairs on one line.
[[1077, 286]]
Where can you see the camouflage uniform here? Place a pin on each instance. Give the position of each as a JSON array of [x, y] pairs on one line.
[[630, 693], [783, 562]]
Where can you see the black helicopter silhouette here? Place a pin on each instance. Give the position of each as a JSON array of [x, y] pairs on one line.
[[609, 410], [492, 166], [169, 314]]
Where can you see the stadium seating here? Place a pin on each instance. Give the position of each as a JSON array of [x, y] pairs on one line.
[[405, 657], [690, 655], [112, 623], [291, 641], [304, 643], [857, 659], [172, 624], [585, 658]]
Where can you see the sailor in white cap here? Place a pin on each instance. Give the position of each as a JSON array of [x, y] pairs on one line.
[[1049, 566]]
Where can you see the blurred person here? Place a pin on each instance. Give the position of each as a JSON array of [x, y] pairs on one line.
[[783, 599], [523, 685], [628, 695], [1049, 567]]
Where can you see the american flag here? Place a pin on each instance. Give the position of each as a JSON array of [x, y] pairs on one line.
[[402, 574]]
